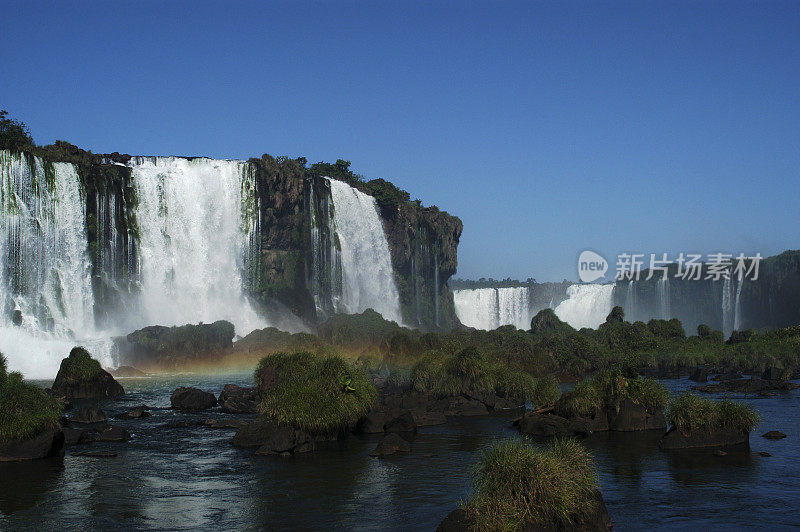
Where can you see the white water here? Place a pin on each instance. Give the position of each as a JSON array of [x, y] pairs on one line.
[[45, 273], [367, 274], [663, 297], [587, 305], [489, 308], [737, 309], [192, 245]]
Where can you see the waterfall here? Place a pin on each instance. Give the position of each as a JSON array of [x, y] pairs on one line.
[[587, 305], [367, 274], [192, 243], [46, 299], [489, 308], [727, 307], [477, 308], [325, 275], [630, 302], [663, 297], [737, 309]]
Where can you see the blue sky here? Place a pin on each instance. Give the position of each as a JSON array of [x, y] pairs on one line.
[[548, 127]]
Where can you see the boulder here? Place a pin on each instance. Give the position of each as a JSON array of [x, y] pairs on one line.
[[136, 413], [238, 400], [401, 421], [48, 443], [632, 417], [96, 454], [391, 444], [72, 384], [545, 425], [255, 433], [748, 386], [772, 374], [113, 434], [89, 415], [677, 439], [774, 435], [73, 436], [459, 406], [192, 400], [373, 422], [224, 423], [699, 375], [495, 402], [427, 419]]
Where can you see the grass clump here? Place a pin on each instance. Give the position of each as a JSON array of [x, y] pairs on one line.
[[582, 401], [516, 485], [80, 366], [323, 395], [689, 411], [546, 391], [608, 388], [25, 409], [469, 371]]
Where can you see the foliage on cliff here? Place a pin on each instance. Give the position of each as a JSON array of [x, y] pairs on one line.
[[25, 409]]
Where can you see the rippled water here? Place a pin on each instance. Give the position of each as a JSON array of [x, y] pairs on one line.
[[192, 478]]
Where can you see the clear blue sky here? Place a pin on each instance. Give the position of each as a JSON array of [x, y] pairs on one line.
[[548, 127]]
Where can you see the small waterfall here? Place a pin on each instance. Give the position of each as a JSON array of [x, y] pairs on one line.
[[663, 297], [325, 275], [46, 299], [192, 244], [513, 307], [367, 274], [727, 307], [630, 302], [587, 305], [737, 308]]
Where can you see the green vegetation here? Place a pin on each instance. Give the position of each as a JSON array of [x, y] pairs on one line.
[[14, 135], [607, 389], [517, 485], [322, 395], [25, 409], [689, 411], [467, 371], [79, 366]]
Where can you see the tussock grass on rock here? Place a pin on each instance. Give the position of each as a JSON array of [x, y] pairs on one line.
[[609, 387], [80, 366], [516, 484], [321, 395], [689, 411], [25, 409], [469, 370]]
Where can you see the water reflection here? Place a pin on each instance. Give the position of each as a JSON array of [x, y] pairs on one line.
[[24, 484]]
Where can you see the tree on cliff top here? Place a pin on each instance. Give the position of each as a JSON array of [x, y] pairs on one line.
[[14, 135]]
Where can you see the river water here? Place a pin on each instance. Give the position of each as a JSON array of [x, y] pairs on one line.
[[192, 478]]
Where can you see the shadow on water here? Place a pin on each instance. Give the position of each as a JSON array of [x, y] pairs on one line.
[[24, 484]]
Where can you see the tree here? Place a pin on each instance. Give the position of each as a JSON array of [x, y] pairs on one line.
[[14, 135]]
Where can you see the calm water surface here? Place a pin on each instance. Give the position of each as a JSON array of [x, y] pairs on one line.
[[192, 478]]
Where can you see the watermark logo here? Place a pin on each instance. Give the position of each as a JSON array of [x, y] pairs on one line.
[[591, 266], [687, 266]]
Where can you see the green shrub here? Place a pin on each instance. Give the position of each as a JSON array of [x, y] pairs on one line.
[[546, 391], [323, 395], [80, 366], [689, 411], [25, 409], [3, 368], [649, 393], [517, 485], [582, 400]]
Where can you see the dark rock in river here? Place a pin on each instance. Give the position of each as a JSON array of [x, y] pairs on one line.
[[748, 386], [72, 384], [113, 434], [96, 454], [192, 400], [699, 375], [596, 519], [459, 406], [272, 438], [391, 444], [773, 374], [237, 400], [89, 415], [136, 413], [677, 439], [774, 435], [373, 422], [48, 443], [427, 419], [727, 377], [402, 421], [225, 423], [632, 416], [73, 436]]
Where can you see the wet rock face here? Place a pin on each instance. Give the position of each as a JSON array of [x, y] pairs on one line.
[[271, 438], [633, 417], [192, 400], [89, 415], [48, 443], [391, 444], [238, 400], [100, 386]]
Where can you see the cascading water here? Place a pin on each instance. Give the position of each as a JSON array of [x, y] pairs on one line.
[[367, 274], [587, 305], [477, 308], [737, 308], [45, 273], [192, 243], [630, 302], [663, 297], [489, 308], [727, 307]]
